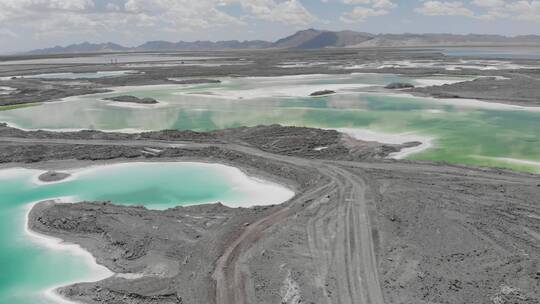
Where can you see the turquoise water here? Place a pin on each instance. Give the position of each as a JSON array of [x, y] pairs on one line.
[[29, 268], [466, 132]]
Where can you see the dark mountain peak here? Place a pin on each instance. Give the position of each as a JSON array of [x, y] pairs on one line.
[[297, 38], [322, 40], [307, 39], [84, 47], [314, 39]]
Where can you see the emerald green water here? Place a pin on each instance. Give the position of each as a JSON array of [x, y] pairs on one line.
[[466, 132], [29, 267]]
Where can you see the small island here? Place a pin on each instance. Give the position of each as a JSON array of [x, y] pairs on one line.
[[399, 85], [133, 99], [196, 81], [53, 176], [322, 93]]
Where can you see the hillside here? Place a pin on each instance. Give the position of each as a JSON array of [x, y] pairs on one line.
[[307, 39]]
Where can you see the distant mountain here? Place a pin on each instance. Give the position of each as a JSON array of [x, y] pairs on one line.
[[296, 39], [203, 45], [82, 48], [154, 46], [308, 39], [315, 39], [430, 40]]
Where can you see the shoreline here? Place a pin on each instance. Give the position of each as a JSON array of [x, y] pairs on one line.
[[100, 272], [392, 138], [231, 173], [273, 236], [47, 76], [483, 103], [126, 130], [160, 104], [471, 103], [512, 161], [467, 103], [36, 179]]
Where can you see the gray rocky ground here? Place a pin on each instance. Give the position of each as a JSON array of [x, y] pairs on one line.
[[322, 93], [360, 229], [132, 99], [399, 85], [53, 176], [521, 87]]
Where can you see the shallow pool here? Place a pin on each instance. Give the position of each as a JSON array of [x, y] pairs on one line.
[[461, 131], [31, 266]]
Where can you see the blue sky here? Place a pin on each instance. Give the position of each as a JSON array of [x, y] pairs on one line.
[[28, 24]]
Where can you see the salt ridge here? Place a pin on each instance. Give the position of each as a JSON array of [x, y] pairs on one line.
[[389, 138]]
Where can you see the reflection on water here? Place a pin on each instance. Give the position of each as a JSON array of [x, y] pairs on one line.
[[463, 130]]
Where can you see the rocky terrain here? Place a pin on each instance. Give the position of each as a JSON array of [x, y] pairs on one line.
[[53, 176], [133, 99], [399, 85], [521, 89], [360, 228], [322, 93], [513, 86]]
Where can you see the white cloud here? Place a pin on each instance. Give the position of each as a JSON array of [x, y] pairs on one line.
[[357, 1], [360, 14], [381, 4], [45, 5], [112, 7], [60, 17], [526, 10], [179, 14], [444, 8], [488, 3], [493, 9], [372, 8], [288, 12], [7, 33]]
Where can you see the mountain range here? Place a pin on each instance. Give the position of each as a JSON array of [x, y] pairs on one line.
[[308, 39]]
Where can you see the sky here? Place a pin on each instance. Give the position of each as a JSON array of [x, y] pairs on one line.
[[31, 24]]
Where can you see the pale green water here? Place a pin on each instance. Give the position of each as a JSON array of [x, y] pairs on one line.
[[29, 268], [468, 133]]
